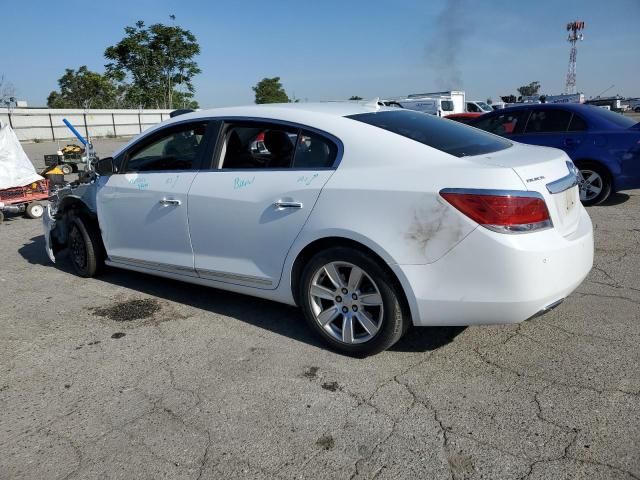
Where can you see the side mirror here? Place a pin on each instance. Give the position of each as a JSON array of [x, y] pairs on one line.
[[105, 166]]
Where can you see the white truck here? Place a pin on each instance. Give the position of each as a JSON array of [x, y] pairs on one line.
[[566, 98], [436, 103]]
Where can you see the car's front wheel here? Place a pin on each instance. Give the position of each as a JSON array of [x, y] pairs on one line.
[[595, 185], [85, 248], [350, 300]]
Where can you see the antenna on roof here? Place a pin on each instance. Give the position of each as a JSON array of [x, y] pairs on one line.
[[374, 103]]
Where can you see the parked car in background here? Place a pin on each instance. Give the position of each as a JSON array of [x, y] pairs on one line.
[[604, 145], [474, 106], [463, 117], [370, 219]]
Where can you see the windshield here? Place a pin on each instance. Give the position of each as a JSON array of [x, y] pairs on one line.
[[616, 118], [447, 105], [484, 106], [450, 137]]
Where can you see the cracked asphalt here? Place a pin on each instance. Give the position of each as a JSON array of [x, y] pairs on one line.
[[131, 376]]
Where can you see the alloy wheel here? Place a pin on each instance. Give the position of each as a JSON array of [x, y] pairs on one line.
[[591, 185], [346, 302]]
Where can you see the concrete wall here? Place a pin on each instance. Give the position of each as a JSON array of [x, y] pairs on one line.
[[46, 123]]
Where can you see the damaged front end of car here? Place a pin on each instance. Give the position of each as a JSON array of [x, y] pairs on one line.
[[73, 200]]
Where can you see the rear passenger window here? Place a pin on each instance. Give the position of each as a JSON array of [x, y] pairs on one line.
[[547, 121], [257, 145], [507, 123], [577, 124], [314, 151]]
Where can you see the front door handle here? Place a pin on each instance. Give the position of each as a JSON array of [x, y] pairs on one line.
[[571, 142], [281, 205], [165, 202]]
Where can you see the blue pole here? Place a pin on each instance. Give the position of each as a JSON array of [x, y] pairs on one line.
[[75, 132]]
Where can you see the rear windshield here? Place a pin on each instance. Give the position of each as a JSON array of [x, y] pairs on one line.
[[616, 118], [449, 137]]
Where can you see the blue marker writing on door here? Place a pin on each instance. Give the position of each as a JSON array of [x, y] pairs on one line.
[[242, 182]]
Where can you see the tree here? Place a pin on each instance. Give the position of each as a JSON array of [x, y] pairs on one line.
[[529, 90], [7, 92], [269, 90], [84, 89], [509, 98], [355, 97], [156, 64]]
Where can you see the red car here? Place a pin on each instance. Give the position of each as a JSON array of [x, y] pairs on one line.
[[463, 117]]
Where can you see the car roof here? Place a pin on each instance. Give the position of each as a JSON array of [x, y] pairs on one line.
[[592, 113], [302, 113], [340, 109]]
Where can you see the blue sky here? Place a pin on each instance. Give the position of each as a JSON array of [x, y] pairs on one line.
[[330, 49]]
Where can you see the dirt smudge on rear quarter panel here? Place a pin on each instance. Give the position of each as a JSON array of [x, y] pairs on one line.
[[436, 228]]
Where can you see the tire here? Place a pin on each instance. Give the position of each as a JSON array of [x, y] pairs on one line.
[[66, 169], [85, 248], [375, 325], [34, 210], [637, 109], [596, 183]]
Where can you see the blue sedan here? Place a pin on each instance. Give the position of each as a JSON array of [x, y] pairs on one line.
[[604, 145]]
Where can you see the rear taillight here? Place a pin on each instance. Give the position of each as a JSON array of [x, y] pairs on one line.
[[501, 211]]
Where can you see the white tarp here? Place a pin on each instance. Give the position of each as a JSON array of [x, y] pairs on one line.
[[16, 170]]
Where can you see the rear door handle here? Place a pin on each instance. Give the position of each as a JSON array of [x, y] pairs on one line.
[[165, 202], [569, 142], [281, 205]]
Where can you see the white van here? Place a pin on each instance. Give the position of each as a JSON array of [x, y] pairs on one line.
[[475, 106], [435, 106]]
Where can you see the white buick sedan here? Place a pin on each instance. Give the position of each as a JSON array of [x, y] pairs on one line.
[[370, 219]]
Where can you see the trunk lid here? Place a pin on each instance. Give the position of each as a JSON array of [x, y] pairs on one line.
[[543, 170]]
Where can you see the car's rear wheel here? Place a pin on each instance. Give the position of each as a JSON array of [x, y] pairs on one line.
[[85, 249], [595, 185], [349, 299]]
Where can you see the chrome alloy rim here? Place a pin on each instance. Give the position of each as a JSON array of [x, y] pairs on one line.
[[346, 302], [591, 185]]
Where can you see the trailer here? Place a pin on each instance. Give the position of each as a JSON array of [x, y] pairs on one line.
[[26, 199]]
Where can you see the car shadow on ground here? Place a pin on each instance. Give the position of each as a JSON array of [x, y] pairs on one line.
[[281, 319], [615, 199]]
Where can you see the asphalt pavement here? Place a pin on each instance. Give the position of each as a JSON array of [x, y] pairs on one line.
[[132, 376]]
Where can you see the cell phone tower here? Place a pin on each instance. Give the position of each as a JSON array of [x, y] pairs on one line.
[[575, 34]]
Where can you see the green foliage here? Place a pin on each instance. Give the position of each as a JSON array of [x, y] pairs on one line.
[[509, 98], [269, 90], [528, 90], [83, 89], [155, 65], [355, 97]]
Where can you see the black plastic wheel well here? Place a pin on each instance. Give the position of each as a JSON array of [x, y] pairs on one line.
[[582, 161], [331, 242], [69, 209]]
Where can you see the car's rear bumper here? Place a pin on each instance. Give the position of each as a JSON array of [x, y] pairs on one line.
[[491, 278]]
